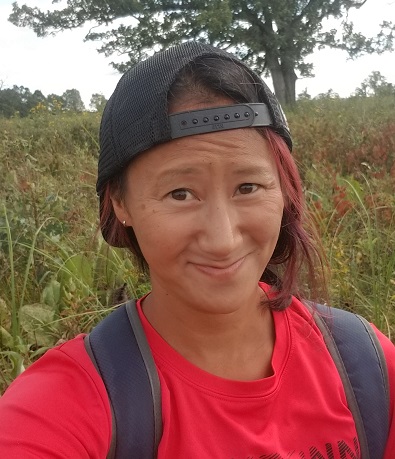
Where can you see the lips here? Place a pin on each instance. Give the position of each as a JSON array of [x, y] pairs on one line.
[[220, 270]]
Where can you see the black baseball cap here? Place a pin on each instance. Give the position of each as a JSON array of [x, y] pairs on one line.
[[136, 116]]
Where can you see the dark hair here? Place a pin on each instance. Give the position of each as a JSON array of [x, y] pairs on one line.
[[296, 251]]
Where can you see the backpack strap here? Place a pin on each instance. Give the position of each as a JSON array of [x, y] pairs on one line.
[[120, 352], [360, 360]]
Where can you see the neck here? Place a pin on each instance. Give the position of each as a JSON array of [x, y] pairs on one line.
[[236, 345]]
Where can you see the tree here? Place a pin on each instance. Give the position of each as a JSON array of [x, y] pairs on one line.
[[304, 95], [375, 85], [273, 36], [55, 103], [72, 100], [97, 102], [19, 100], [10, 102], [37, 99]]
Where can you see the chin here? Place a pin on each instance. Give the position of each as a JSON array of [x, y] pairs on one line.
[[226, 297]]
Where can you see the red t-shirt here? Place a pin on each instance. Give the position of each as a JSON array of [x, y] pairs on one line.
[[58, 408]]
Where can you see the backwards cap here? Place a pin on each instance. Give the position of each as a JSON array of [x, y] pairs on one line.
[[136, 115]]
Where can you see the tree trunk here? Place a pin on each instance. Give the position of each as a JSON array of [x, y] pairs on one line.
[[284, 81], [290, 83]]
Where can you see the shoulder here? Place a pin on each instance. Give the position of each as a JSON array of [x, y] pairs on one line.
[[388, 348], [389, 353], [301, 314], [63, 368], [58, 402]]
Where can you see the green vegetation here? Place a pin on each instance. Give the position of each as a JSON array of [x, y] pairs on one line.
[[20, 101], [58, 277], [346, 152]]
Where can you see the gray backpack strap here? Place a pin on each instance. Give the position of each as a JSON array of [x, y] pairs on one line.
[[121, 354], [111, 451], [359, 358]]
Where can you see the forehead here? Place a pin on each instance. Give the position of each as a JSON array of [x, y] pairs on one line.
[[231, 151]]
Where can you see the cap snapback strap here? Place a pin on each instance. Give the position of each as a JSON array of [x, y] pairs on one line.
[[219, 119]]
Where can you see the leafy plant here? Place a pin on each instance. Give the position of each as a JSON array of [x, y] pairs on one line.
[[59, 277]]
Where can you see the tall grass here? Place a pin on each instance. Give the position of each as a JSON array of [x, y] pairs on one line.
[[346, 152], [359, 236], [76, 289]]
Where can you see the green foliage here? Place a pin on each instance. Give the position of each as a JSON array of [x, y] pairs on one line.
[[357, 44], [271, 35], [346, 136], [58, 277], [375, 85], [346, 153], [357, 224], [72, 100], [98, 102], [19, 101]]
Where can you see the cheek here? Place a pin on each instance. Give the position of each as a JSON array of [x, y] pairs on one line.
[[271, 213], [156, 235], [268, 228]]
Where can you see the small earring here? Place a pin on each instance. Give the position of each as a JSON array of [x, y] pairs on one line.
[[124, 223]]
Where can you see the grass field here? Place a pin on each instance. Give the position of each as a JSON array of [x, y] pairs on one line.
[[58, 277]]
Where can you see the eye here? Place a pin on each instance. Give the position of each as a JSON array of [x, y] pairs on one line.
[[181, 194], [247, 188]]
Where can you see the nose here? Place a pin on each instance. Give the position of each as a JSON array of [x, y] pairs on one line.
[[220, 231]]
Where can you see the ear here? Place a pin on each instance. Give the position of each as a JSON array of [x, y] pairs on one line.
[[120, 210]]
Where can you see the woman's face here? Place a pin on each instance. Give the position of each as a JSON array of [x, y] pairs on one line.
[[206, 211]]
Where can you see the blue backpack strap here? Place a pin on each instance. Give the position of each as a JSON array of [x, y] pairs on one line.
[[121, 354], [361, 363]]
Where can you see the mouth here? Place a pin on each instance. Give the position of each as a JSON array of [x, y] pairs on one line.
[[218, 270]]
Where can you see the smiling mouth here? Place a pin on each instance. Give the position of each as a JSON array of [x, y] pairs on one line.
[[225, 270]]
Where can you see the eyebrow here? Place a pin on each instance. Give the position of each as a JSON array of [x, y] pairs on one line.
[[177, 172], [170, 174], [253, 170]]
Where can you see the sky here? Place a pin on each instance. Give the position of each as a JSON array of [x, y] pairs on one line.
[[65, 61]]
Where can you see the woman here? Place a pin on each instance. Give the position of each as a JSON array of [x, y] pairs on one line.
[[200, 184]]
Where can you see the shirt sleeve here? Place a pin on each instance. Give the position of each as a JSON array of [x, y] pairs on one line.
[[57, 409], [389, 352]]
